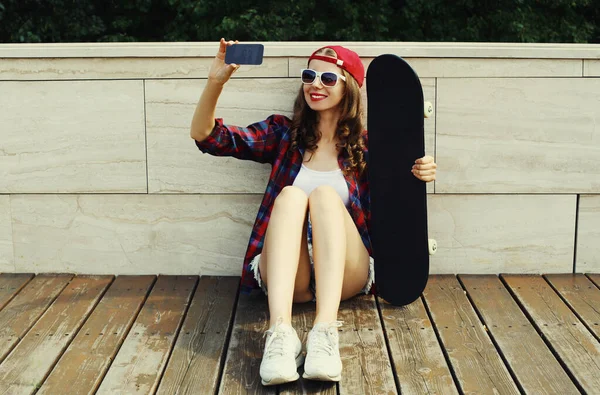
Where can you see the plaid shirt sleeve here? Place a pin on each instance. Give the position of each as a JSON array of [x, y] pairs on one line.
[[258, 142]]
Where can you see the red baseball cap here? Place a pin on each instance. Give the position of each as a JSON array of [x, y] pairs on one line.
[[346, 59]]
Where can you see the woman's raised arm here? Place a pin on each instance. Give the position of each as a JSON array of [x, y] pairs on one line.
[[204, 115]]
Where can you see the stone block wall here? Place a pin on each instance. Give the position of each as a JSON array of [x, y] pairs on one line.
[[98, 173]]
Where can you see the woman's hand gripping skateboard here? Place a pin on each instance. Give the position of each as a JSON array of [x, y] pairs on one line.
[[425, 168]]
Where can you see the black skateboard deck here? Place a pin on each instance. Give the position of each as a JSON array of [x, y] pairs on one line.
[[395, 126]]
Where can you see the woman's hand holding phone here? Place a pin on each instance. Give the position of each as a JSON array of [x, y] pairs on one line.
[[203, 121], [220, 72]]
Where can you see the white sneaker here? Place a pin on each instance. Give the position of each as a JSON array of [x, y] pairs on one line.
[[282, 355], [323, 360]]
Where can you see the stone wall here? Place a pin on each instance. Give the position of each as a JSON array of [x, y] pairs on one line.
[[98, 173]]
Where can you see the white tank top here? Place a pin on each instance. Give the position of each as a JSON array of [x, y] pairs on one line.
[[308, 179]]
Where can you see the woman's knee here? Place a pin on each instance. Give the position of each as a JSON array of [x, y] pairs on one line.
[[291, 196], [323, 195]]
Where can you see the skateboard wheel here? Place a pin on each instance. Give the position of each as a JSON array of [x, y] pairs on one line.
[[432, 246], [428, 110]]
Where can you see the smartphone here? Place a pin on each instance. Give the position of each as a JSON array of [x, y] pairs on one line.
[[244, 54]]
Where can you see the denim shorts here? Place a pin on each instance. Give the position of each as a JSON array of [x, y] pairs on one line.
[[254, 267]]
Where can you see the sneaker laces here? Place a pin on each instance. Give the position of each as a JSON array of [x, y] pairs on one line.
[[276, 343], [324, 345]]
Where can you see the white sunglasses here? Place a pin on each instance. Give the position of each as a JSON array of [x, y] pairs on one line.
[[327, 78]]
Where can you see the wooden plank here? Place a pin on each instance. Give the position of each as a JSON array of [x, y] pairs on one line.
[[25, 368], [27, 307], [474, 359], [82, 367], [139, 364], [583, 297], [242, 364], [571, 341], [595, 278], [10, 285], [416, 353], [199, 351], [367, 366], [532, 363], [303, 316]]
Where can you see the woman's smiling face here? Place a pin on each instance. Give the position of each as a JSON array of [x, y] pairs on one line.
[[321, 98]]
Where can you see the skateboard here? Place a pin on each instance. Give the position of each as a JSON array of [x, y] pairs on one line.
[[395, 124]]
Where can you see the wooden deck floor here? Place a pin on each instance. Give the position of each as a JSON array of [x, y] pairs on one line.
[[64, 334]]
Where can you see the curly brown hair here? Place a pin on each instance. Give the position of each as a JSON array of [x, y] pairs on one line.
[[350, 126]]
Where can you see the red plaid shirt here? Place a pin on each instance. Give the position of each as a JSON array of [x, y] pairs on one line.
[[268, 141]]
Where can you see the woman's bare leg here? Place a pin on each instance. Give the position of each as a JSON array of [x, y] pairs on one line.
[[284, 263], [340, 257]]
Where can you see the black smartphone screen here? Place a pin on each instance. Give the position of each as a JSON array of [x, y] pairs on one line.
[[244, 54]]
